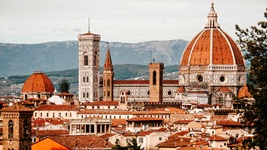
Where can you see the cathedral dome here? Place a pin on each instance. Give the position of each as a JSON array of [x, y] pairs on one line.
[[38, 82], [212, 46]]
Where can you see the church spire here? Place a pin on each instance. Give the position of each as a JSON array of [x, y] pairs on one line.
[[108, 63], [212, 18]]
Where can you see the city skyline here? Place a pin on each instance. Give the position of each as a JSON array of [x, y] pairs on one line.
[[120, 21]]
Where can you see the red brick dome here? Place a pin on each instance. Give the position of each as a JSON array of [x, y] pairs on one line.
[[38, 82], [212, 46]]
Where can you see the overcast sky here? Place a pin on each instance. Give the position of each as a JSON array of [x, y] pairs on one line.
[[37, 21]]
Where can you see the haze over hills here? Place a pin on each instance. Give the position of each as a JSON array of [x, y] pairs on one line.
[[24, 59]]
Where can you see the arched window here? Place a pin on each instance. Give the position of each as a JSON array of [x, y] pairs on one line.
[[94, 59], [10, 129], [25, 128], [85, 60], [26, 96], [154, 77], [108, 93], [108, 83]]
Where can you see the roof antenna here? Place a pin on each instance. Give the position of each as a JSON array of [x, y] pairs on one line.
[[88, 24]]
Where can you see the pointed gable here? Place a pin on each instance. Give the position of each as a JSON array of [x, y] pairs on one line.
[[223, 89], [181, 89]]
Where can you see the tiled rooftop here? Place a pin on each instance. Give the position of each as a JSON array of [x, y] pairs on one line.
[[82, 141]]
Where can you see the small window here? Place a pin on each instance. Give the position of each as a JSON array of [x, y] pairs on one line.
[[169, 92], [154, 77], [10, 129], [200, 78], [85, 59], [140, 140], [222, 79]]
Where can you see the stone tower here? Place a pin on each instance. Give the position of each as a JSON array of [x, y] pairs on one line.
[[16, 127], [155, 82], [89, 47], [108, 78]]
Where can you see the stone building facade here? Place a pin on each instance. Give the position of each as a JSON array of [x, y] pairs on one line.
[[16, 127]]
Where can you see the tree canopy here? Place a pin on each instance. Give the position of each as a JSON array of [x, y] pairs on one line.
[[254, 43]]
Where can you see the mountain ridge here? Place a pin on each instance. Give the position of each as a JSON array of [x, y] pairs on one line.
[[23, 59]]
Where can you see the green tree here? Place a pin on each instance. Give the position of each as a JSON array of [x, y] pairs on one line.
[[254, 42], [64, 86], [133, 145]]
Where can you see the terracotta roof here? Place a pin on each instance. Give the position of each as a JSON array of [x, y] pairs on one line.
[[182, 121], [144, 133], [117, 122], [143, 82], [101, 103], [178, 134], [224, 89], [145, 119], [45, 133], [107, 135], [171, 110], [64, 94], [38, 82], [203, 105], [172, 143], [82, 141], [104, 111], [181, 89], [222, 50], [218, 117], [151, 112], [58, 108], [228, 123], [15, 108], [243, 92], [217, 138]]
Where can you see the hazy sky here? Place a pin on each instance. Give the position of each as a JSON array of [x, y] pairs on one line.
[[37, 21]]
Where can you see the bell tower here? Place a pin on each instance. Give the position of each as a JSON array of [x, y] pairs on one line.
[[89, 47], [108, 78], [16, 127], [155, 82]]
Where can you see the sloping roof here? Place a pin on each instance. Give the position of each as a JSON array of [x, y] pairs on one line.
[[217, 138], [16, 108], [172, 143], [58, 108], [181, 89], [224, 89], [57, 100], [82, 141], [228, 123], [243, 92], [101, 103], [145, 119], [143, 82], [45, 133]]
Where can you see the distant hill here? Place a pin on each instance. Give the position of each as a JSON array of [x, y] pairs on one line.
[[12, 85], [24, 59]]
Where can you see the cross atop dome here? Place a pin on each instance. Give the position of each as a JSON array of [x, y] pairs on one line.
[[212, 18]]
